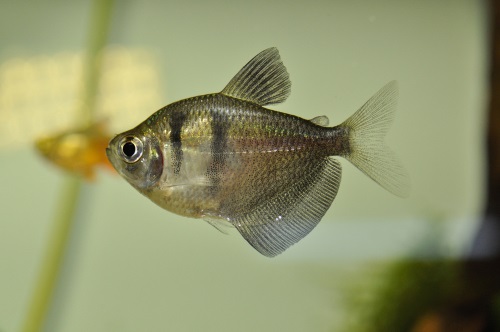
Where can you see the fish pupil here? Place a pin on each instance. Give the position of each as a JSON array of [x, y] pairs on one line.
[[129, 149]]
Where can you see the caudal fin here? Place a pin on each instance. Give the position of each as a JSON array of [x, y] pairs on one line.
[[367, 149]]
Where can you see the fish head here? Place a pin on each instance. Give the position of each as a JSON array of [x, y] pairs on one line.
[[136, 155]]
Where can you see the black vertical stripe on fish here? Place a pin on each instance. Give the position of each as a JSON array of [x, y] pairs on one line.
[[216, 168], [176, 122]]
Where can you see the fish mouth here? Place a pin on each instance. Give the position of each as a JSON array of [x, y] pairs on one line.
[[113, 159], [110, 155]]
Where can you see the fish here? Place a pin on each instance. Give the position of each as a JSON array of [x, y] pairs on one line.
[[79, 150], [226, 158]]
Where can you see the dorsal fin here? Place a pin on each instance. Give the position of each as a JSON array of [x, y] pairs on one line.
[[321, 120], [264, 80]]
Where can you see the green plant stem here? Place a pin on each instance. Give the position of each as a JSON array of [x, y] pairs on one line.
[[97, 39], [70, 191], [54, 256]]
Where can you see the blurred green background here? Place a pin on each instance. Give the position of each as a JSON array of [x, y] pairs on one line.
[[131, 266]]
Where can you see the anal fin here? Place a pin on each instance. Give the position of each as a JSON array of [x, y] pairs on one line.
[[290, 215]]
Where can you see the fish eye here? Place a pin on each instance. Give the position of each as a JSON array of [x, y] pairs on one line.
[[131, 149]]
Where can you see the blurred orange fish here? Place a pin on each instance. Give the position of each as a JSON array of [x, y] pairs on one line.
[[78, 150]]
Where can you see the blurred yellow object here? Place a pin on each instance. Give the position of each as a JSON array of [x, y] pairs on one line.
[[42, 94], [78, 150]]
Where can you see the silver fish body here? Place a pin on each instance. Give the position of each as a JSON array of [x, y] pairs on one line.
[[224, 157]]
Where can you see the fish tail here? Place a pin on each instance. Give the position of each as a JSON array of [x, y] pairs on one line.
[[366, 147]]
